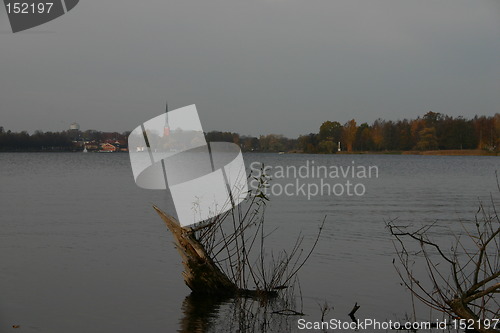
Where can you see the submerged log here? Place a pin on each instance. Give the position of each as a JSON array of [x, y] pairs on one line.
[[200, 274]]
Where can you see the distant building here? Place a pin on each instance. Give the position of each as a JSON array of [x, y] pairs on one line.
[[108, 147], [74, 127], [74, 130]]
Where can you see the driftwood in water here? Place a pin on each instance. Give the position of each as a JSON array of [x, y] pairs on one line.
[[201, 274], [228, 261]]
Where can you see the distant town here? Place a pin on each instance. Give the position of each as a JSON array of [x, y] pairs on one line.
[[433, 133], [71, 140]]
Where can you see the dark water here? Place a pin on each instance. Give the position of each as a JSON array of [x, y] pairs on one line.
[[81, 249]]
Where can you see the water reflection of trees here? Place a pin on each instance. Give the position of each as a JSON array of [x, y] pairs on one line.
[[203, 314]]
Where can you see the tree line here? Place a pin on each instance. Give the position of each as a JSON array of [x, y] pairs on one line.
[[432, 131]]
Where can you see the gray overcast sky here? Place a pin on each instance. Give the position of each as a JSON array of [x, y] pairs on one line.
[[253, 67]]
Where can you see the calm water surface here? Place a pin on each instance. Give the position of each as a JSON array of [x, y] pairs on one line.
[[81, 249]]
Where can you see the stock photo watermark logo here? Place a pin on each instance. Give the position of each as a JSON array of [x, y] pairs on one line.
[[205, 179], [27, 14], [311, 180]]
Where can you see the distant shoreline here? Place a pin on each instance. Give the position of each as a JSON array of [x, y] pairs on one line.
[[451, 152], [59, 151]]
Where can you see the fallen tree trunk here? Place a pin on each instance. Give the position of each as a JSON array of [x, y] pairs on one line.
[[200, 274], [204, 275]]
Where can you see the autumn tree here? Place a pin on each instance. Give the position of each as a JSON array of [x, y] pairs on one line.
[[272, 142], [427, 139], [330, 130], [308, 143], [249, 143], [378, 134], [329, 135], [496, 125], [349, 134], [364, 138], [327, 147]]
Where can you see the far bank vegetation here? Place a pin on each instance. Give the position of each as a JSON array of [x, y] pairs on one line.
[[433, 133]]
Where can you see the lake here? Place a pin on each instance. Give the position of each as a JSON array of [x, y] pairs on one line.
[[81, 249]]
